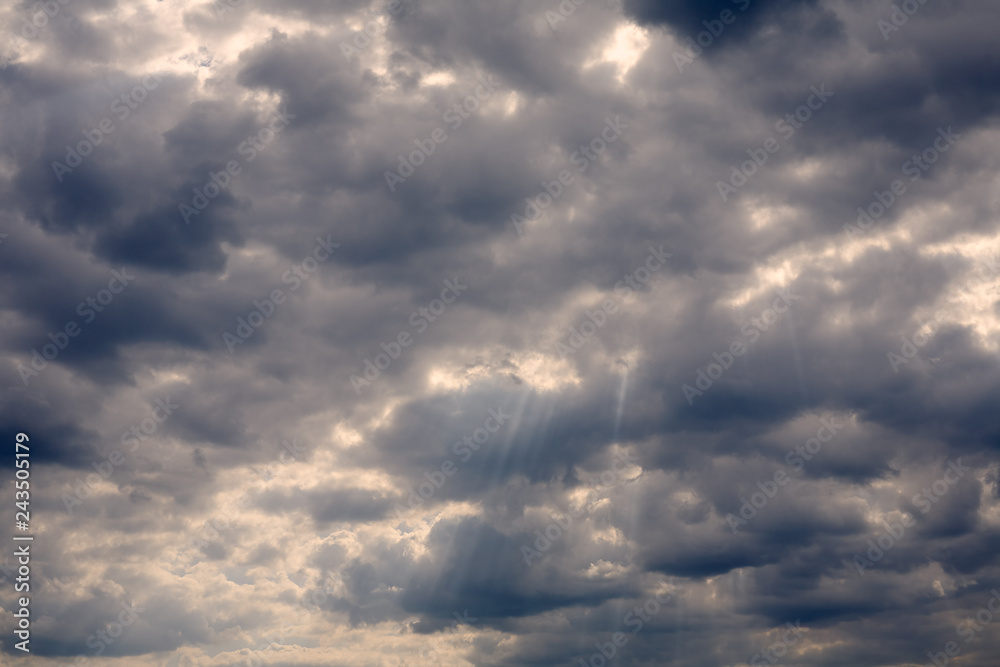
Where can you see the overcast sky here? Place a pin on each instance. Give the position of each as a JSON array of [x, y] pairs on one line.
[[503, 332]]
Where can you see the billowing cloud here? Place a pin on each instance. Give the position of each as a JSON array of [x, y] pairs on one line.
[[407, 332]]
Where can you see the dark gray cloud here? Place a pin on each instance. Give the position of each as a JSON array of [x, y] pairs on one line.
[[788, 419]]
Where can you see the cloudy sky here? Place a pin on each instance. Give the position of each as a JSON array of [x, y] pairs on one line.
[[507, 332]]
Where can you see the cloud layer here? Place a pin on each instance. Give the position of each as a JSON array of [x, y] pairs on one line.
[[507, 333]]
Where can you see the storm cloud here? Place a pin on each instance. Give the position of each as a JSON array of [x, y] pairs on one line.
[[404, 332]]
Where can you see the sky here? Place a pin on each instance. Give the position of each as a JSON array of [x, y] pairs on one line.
[[521, 332]]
